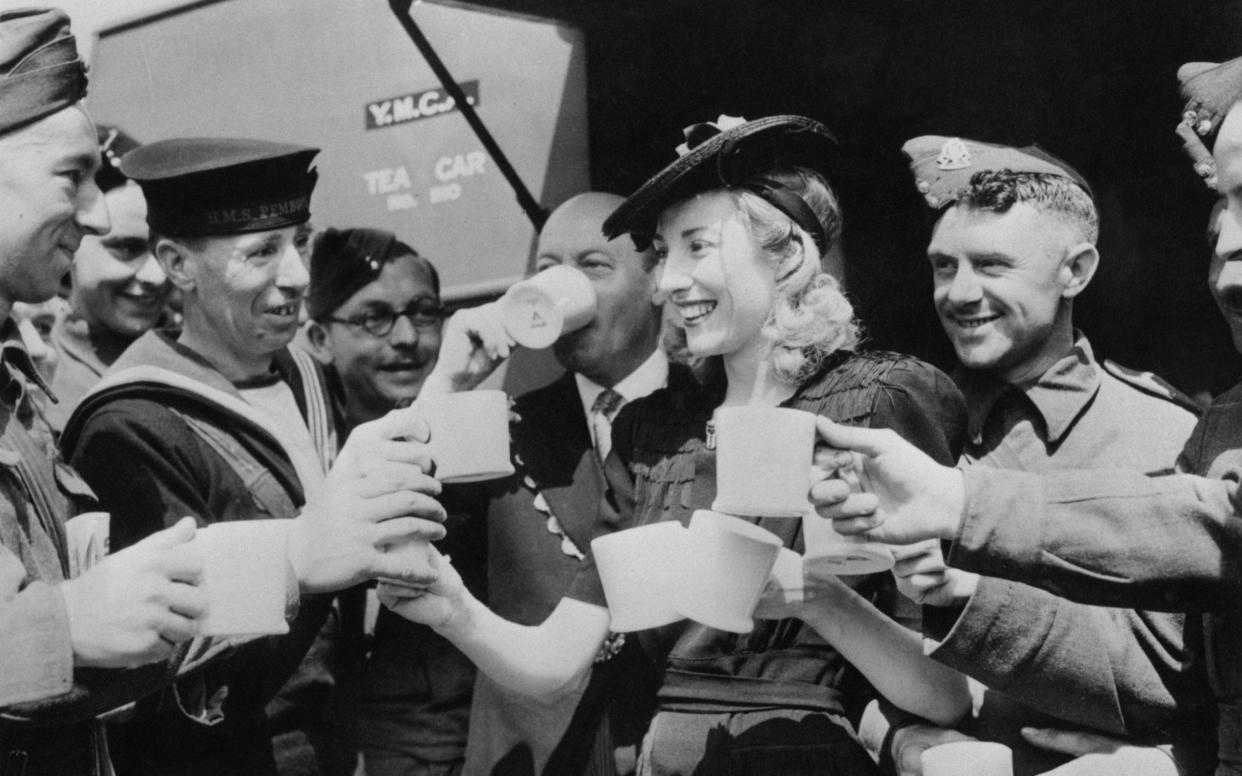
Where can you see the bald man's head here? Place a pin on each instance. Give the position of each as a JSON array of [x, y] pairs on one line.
[[626, 328], [578, 223]]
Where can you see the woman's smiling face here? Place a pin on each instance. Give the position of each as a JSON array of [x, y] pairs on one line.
[[718, 280]]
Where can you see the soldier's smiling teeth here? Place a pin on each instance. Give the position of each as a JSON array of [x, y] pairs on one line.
[[284, 309], [974, 323]]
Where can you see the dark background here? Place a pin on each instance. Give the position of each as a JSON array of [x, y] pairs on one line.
[[1092, 81]]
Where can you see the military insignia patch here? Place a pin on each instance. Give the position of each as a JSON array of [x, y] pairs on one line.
[[954, 155]]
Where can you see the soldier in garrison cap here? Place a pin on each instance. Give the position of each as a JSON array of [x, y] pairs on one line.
[[375, 311], [1012, 245], [226, 423], [1210, 90], [1107, 537], [1212, 93], [61, 638]]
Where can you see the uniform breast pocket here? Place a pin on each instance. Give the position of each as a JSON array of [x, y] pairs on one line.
[[74, 489]]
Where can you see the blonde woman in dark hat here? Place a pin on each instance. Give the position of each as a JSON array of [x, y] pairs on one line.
[[742, 220]]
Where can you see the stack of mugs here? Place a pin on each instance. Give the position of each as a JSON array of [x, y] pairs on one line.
[[713, 570]]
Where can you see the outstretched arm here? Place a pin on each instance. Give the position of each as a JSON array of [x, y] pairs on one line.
[[1106, 537], [1129, 674], [1096, 755], [922, 405], [888, 654], [542, 660]]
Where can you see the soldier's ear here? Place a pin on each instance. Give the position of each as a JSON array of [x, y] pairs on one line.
[[1077, 268], [174, 259], [317, 336]]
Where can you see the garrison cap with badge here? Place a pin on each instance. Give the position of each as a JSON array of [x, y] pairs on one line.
[[345, 260], [733, 153], [943, 166], [1210, 90], [40, 70], [202, 187], [114, 143]]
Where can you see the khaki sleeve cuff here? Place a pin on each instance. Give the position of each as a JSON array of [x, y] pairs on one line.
[[35, 642]]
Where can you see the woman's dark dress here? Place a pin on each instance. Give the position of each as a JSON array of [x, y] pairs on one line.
[[777, 700]]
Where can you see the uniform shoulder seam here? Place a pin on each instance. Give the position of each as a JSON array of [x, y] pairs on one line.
[[1152, 385]]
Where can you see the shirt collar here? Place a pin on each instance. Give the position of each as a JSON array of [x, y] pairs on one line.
[[1059, 395], [72, 335], [650, 376], [13, 356]]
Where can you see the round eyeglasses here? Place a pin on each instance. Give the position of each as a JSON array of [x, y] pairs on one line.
[[379, 323]]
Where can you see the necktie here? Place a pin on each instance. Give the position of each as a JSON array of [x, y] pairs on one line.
[[602, 412]]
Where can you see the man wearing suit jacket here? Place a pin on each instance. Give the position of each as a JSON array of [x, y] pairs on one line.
[[538, 520]]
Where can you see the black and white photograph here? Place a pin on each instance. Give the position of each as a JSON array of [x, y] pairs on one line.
[[648, 388]]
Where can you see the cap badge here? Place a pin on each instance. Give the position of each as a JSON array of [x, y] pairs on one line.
[[107, 150], [954, 155]]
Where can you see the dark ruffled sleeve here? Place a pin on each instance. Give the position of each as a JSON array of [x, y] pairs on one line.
[[923, 405], [919, 402]]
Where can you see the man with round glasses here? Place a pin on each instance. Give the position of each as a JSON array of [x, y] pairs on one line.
[[424, 314], [376, 316]]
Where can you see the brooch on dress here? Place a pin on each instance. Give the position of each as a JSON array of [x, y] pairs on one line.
[[610, 648]]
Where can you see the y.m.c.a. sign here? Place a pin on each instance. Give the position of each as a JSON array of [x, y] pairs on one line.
[[419, 105]]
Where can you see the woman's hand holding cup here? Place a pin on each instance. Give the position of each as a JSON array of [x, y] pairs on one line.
[[377, 494], [437, 604], [793, 586]]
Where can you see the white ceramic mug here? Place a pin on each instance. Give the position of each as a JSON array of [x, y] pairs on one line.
[[976, 758], [245, 575], [763, 461], [87, 535], [641, 570], [727, 562], [538, 310], [469, 435]]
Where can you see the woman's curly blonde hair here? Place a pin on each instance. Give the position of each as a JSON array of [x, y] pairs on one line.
[[810, 317]]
